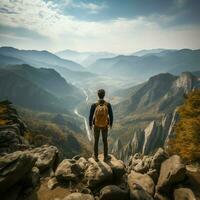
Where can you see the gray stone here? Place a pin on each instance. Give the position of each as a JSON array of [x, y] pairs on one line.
[[184, 194], [14, 167], [113, 192], [68, 170], [79, 196], [98, 173], [144, 180], [137, 192], [172, 171], [47, 157], [118, 167]]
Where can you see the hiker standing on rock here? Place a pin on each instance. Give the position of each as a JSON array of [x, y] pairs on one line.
[[101, 118]]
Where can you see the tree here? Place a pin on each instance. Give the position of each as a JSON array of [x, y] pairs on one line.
[[187, 130]]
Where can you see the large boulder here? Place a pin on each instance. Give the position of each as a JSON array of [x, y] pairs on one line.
[[111, 192], [47, 157], [15, 167], [138, 193], [68, 170], [183, 194], [143, 180], [172, 171], [98, 173], [79, 196], [118, 167]]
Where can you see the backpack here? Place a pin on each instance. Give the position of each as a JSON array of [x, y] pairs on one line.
[[101, 115]]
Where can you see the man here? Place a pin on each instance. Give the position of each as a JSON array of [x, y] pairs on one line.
[[101, 117]]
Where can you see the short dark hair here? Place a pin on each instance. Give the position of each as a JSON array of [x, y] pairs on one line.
[[101, 93]]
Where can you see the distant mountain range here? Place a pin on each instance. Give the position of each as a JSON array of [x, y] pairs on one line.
[[39, 58], [147, 51], [84, 58], [37, 89], [68, 69], [142, 67]]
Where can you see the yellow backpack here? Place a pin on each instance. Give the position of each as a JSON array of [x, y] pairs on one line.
[[101, 115]]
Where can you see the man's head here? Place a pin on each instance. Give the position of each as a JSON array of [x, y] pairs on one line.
[[101, 93]]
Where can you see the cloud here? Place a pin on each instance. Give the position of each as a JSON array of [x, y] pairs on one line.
[[92, 8], [117, 35], [180, 3]]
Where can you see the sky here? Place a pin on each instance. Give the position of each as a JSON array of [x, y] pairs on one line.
[[118, 26]]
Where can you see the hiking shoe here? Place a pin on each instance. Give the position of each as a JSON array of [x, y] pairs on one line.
[[106, 158]]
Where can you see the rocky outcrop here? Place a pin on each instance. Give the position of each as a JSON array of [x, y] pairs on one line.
[[148, 140], [88, 179], [68, 170], [98, 173], [172, 172], [158, 176], [14, 168], [12, 129], [47, 157], [183, 194]]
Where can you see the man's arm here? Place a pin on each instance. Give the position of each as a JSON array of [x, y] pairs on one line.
[[110, 113], [92, 109]]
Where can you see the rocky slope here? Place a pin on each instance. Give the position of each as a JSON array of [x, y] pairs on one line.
[[160, 94], [29, 173], [45, 89], [147, 141]]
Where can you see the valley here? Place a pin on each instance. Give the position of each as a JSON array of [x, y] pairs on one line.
[[65, 88]]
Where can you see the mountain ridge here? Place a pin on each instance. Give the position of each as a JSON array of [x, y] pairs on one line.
[[40, 58], [146, 66]]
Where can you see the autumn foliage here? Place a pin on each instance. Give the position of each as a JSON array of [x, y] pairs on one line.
[[187, 130]]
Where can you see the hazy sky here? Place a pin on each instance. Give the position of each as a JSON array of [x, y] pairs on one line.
[[120, 26]]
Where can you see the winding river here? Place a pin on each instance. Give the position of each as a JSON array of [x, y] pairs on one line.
[[83, 117]]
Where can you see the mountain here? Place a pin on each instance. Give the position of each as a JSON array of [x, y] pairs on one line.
[[147, 51], [149, 112], [69, 74], [48, 79], [40, 58], [7, 60], [161, 93], [38, 89], [143, 67], [84, 58]]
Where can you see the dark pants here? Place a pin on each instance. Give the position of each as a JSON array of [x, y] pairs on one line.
[[104, 133]]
